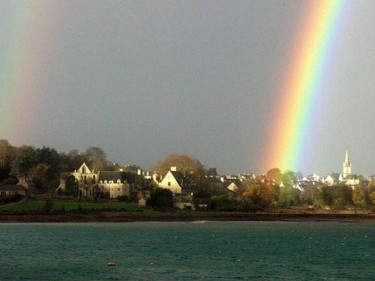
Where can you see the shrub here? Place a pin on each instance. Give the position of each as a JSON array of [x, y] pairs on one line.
[[123, 198], [222, 203], [161, 199]]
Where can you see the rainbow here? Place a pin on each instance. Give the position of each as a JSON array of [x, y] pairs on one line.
[[309, 61], [24, 33]]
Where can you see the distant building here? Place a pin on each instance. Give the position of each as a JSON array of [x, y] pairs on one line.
[[13, 189], [347, 166], [329, 180], [347, 177], [87, 181], [113, 184], [175, 181], [110, 184]]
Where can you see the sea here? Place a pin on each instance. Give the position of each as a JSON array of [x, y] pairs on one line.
[[201, 250]]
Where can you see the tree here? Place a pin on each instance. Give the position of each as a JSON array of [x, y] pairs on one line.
[[161, 198], [49, 157], [360, 196], [327, 194], [288, 196], [335, 176], [6, 153], [94, 153], [310, 194], [222, 203], [260, 195], [96, 158], [188, 166], [24, 161], [342, 195], [184, 164], [288, 178], [211, 172], [41, 176], [275, 175], [372, 197]]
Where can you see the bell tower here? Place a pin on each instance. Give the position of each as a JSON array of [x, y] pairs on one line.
[[347, 166]]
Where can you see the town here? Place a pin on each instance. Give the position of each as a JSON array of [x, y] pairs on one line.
[[178, 182]]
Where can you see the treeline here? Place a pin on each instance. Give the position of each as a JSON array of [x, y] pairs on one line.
[[45, 165], [260, 196]]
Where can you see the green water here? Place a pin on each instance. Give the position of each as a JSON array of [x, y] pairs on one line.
[[188, 251]]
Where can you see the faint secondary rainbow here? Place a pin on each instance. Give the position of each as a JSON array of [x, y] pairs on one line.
[[303, 84], [24, 44]]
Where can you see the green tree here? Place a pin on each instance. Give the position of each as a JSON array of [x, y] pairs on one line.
[[288, 178], [326, 194], [161, 199], [41, 176], [372, 197], [342, 196], [276, 175], [6, 153], [71, 186], [288, 197], [360, 196], [211, 172], [222, 203], [309, 194], [24, 161]]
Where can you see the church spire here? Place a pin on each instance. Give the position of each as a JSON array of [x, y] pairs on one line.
[[347, 156], [347, 166]]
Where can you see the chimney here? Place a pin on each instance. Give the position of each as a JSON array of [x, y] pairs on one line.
[[173, 169]]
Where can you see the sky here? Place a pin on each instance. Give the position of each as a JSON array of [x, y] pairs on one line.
[[146, 79]]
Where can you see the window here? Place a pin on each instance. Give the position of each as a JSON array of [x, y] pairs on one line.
[[169, 183]]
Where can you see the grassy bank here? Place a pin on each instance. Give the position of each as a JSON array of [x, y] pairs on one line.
[[65, 210], [41, 205]]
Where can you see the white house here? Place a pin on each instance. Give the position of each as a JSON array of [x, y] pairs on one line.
[[329, 180], [116, 183], [174, 181], [86, 179]]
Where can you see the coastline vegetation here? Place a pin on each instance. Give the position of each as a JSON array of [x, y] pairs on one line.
[[269, 192], [58, 205]]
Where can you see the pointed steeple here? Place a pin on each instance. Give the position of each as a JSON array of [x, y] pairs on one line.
[[347, 166], [347, 157]]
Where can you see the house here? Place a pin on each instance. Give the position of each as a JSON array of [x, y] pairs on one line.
[[87, 181], [175, 181], [329, 180], [110, 184], [13, 189], [234, 186], [351, 180], [27, 183], [113, 184], [142, 202]]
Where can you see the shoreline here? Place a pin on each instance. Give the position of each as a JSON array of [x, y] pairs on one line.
[[111, 217]]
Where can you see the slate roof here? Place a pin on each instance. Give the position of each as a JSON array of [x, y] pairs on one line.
[[12, 187], [114, 176], [178, 176]]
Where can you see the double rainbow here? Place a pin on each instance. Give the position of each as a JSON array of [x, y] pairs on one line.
[[303, 84]]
